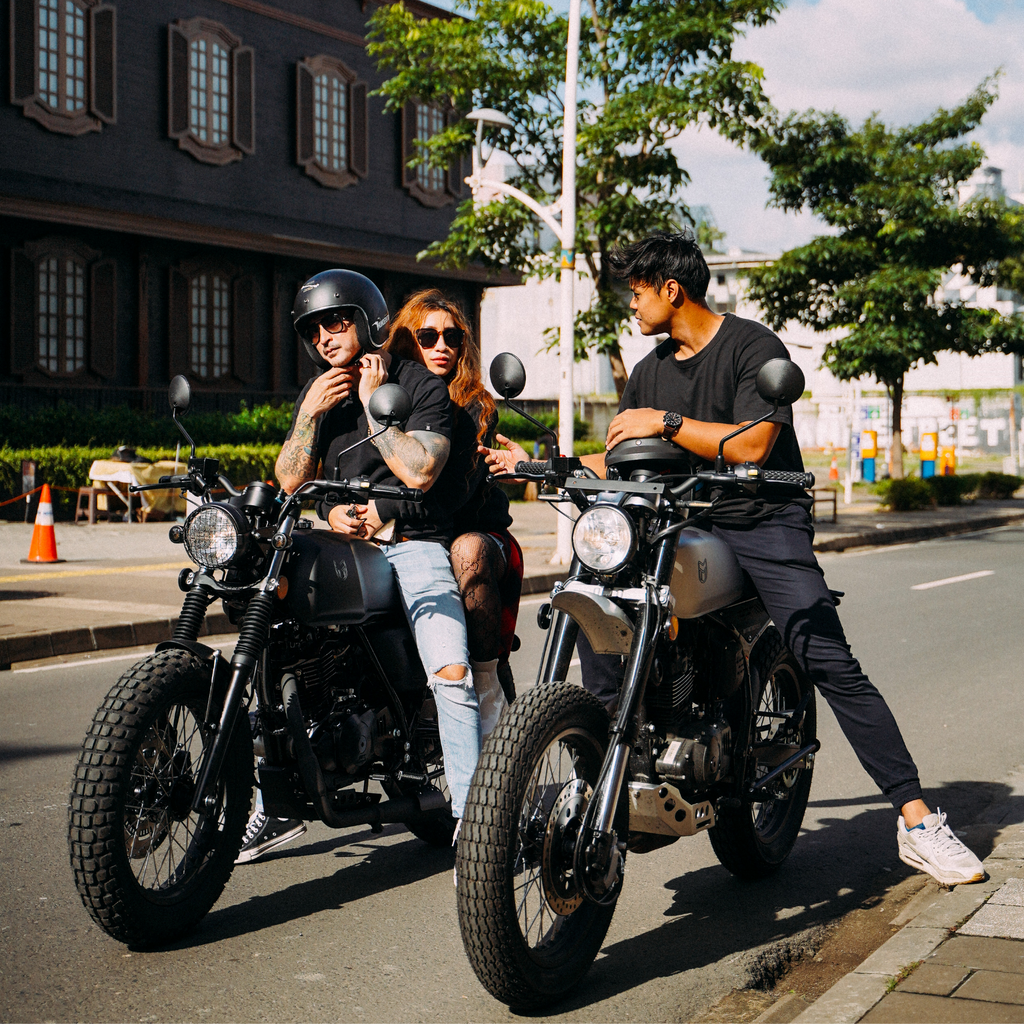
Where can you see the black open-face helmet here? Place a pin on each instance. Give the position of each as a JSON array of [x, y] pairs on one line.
[[353, 296]]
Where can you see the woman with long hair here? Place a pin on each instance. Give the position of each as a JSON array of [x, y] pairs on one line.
[[486, 559]]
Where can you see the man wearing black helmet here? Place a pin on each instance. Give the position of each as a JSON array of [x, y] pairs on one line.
[[342, 320]]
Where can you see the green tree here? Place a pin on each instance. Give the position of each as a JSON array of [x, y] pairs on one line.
[[891, 199], [648, 69]]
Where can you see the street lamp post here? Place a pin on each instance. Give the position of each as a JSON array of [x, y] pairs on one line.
[[565, 231]]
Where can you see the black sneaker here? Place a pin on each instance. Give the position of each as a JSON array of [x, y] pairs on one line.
[[264, 834]]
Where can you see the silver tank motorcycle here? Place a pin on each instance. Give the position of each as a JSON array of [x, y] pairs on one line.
[[714, 730], [161, 793]]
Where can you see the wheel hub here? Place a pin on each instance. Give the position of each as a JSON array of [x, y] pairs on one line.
[[560, 887]]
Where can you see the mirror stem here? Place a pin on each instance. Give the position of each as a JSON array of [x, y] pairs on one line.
[[537, 423], [362, 440], [177, 423], [720, 461]]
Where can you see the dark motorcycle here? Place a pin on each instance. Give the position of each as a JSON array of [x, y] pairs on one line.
[[162, 790], [714, 730]]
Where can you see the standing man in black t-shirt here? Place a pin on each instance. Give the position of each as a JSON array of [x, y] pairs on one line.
[[694, 389]]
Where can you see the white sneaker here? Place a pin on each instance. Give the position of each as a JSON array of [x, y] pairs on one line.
[[937, 851]]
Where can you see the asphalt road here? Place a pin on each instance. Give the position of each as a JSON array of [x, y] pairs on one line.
[[352, 927]]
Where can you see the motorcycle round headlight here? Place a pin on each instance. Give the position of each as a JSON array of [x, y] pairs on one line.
[[604, 538], [215, 535]]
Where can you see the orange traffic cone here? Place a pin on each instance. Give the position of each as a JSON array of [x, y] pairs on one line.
[[833, 470], [44, 541]]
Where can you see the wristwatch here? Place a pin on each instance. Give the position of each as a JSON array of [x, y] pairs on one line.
[[673, 421]]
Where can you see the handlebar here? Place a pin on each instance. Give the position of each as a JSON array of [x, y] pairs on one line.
[[781, 476], [365, 489]]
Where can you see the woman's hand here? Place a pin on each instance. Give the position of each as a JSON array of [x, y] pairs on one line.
[[348, 520], [330, 388], [373, 372], [503, 460]]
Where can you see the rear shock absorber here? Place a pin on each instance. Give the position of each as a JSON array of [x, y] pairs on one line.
[[193, 612]]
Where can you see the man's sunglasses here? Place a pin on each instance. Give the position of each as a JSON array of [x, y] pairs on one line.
[[427, 336], [331, 323]]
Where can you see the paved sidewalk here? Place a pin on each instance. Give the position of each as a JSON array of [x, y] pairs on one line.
[[117, 586], [959, 955]]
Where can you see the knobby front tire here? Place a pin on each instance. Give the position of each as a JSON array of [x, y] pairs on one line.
[[147, 867], [536, 772]]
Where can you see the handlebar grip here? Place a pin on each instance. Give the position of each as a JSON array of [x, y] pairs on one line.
[[396, 493], [530, 469], [783, 476]]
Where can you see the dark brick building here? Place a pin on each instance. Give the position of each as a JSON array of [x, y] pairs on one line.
[[171, 171]]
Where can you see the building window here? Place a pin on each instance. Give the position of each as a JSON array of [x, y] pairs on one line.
[[60, 334], [63, 63], [331, 138], [432, 186], [64, 313], [210, 320], [211, 91]]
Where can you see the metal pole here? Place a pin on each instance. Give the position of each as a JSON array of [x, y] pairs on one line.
[[563, 549]]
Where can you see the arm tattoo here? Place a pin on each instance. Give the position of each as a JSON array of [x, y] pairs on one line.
[[418, 456], [298, 453]]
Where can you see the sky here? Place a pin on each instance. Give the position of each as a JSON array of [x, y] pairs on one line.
[[899, 58]]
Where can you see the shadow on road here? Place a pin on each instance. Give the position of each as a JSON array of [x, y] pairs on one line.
[[841, 864], [10, 752], [382, 868]]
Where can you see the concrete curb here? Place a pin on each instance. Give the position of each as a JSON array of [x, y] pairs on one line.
[[905, 534], [928, 920]]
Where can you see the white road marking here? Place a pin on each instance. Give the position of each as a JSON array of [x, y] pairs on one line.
[[954, 579]]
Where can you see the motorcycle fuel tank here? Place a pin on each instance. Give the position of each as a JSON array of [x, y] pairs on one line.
[[706, 575], [334, 580]]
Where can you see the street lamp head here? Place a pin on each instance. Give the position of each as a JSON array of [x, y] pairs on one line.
[[487, 115]]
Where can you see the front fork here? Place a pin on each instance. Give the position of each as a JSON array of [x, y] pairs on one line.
[[252, 640], [598, 856]]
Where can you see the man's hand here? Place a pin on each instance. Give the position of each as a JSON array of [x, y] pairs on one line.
[[373, 372], [330, 388], [634, 423], [354, 520], [503, 460]]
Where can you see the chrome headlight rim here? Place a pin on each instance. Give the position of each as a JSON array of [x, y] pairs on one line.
[[216, 535], [619, 554]]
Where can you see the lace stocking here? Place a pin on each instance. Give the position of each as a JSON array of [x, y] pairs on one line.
[[478, 566]]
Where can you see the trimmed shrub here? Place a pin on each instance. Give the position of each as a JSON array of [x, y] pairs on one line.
[[906, 495], [68, 468], [949, 490], [513, 425], [997, 485]]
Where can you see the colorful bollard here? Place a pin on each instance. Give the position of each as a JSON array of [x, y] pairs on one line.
[[868, 453], [929, 448]]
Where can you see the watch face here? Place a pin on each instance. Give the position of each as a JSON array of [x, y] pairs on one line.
[[673, 421]]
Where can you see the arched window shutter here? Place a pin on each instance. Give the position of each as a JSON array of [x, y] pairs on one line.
[[178, 326], [103, 66], [304, 142], [23, 50], [177, 82], [103, 319], [408, 142], [24, 299], [244, 335], [359, 149], [244, 126]]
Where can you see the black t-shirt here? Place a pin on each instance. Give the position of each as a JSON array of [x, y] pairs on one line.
[[346, 424], [717, 386]]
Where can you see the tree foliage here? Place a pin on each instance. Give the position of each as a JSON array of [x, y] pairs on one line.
[[891, 197], [648, 69]]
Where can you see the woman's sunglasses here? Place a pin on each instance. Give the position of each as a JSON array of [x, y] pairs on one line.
[[331, 323], [427, 336]]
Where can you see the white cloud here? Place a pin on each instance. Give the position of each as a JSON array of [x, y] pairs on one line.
[[901, 58]]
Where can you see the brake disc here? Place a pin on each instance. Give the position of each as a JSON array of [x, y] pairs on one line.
[[560, 889]]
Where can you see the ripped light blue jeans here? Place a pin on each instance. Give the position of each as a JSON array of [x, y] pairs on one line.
[[433, 606]]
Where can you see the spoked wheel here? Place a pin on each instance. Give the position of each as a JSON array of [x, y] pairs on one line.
[[753, 840], [148, 867], [437, 830], [528, 930]]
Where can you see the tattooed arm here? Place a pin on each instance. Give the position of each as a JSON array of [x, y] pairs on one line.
[[416, 458]]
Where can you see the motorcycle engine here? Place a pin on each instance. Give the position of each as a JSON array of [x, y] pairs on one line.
[[700, 756], [351, 737]]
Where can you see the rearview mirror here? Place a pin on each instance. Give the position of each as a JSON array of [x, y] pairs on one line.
[[508, 375], [180, 395], [780, 382], [390, 405]]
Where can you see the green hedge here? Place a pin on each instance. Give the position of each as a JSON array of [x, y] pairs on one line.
[[68, 467], [912, 493], [513, 425]]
